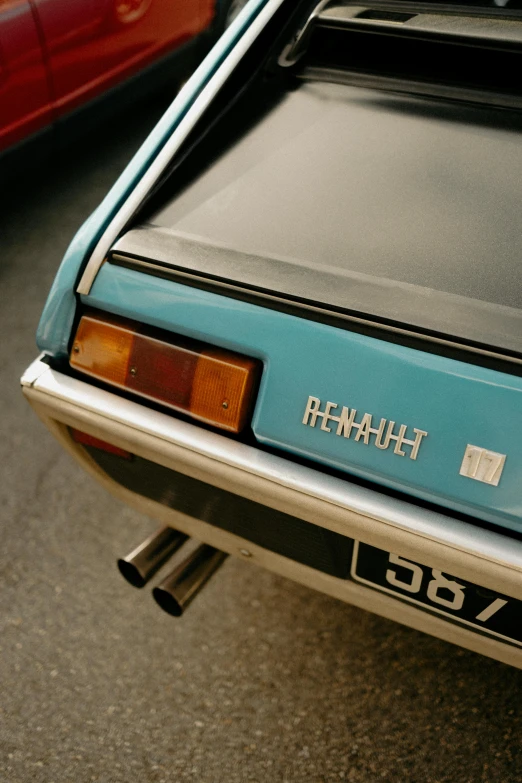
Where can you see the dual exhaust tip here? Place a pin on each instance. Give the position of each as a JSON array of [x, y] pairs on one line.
[[187, 579]]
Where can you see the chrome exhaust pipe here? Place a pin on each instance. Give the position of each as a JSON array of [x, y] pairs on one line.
[[181, 586], [143, 562]]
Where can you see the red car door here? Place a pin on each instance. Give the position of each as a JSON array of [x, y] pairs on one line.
[[94, 44], [24, 93]]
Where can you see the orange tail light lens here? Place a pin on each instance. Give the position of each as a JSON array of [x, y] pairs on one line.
[[210, 384]]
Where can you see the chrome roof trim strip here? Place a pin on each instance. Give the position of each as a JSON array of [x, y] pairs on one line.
[[484, 556], [164, 156]]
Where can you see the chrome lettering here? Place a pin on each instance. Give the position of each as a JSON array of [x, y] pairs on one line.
[[312, 409], [346, 422], [419, 435], [385, 433], [384, 444], [328, 417], [378, 435], [400, 440], [365, 428]]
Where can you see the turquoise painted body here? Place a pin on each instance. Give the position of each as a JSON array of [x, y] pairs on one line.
[[58, 316], [454, 402]]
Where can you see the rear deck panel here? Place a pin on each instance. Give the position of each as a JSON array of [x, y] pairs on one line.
[[454, 403]]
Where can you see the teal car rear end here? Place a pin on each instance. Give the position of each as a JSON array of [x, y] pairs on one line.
[[350, 231]]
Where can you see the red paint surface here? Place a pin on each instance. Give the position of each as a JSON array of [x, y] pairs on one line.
[[89, 440], [24, 93], [58, 54]]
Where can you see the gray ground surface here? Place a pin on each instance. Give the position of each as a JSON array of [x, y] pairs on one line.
[[263, 680]]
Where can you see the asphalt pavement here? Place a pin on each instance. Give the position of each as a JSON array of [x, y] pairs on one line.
[[262, 680]]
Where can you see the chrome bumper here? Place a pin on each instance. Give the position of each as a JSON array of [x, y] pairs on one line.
[[484, 557]]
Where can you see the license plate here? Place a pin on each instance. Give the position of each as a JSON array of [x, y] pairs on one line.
[[467, 603]]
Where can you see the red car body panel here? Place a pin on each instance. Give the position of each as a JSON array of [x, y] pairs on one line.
[[56, 55], [24, 88]]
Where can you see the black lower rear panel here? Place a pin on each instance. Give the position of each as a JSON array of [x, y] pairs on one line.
[[281, 533]]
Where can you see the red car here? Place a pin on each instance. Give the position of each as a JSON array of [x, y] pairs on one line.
[[59, 55]]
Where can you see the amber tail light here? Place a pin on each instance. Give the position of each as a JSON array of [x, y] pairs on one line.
[[210, 384]]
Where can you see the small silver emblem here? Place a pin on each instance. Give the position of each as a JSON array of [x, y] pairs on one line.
[[385, 435], [482, 465]]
